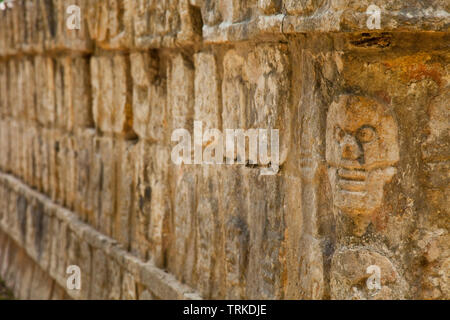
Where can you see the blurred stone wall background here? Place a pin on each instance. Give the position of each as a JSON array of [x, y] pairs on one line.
[[86, 178]]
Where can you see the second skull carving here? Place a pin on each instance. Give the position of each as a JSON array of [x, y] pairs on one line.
[[362, 149]]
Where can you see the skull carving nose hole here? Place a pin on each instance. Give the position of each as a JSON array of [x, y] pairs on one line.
[[351, 151], [347, 153]]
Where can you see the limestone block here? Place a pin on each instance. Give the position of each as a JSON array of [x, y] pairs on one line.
[[435, 249], [235, 10], [55, 17], [41, 285], [29, 89], [3, 36], [207, 88], [55, 227], [96, 89], [436, 149], [269, 6], [45, 151], [65, 167], [76, 39], [211, 14], [99, 282], [122, 111], [125, 156], [349, 276], [191, 23], [4, 144], [45, 90], [233, 208], [82, 108], [33, 139], [185, 199], [266, 235], [156, 23], [149, 97], [13, 18], [151, 205], [115, 277], [107, 187], [5, 257], [9, 39], [111, 94], [4, 104], [19, 222], [33, 27], [19, 86], [59, 252], [234, 91], [15, 149], [160, 205], [30, 136], [63, 109], [434, 15], [24, 280], [110, 23], [21, 150], [52, 21], [40, 159], [38, 236], [72, 258], [302, 7], [71, 173], [85, 152], [254, 91], [128, 287], [12, 87], [207, 230], [73, 94], [84, 262], [95, 182], [3, 194], [57, 165], [180, 88], [267, 68], [102, 91]]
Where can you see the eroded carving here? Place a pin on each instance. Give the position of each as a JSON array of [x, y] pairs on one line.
[[362, 149]]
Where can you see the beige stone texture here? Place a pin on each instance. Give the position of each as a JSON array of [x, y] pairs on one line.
[[86, 170]]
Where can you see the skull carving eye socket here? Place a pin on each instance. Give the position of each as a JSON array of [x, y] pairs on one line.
[[366, 134], [339, 134]]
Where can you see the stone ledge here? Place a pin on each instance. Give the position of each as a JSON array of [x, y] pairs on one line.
[[160, 283], [343, 21]]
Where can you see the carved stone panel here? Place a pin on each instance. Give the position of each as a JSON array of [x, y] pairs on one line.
[[362, 149]]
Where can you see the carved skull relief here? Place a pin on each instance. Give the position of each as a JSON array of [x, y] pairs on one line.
[[362, 148]]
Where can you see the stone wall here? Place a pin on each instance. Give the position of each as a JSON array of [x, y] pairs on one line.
[[86, 118]]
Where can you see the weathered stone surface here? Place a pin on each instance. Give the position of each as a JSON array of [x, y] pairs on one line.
[[112, 97], [110, 23], [182, 255], [207, 107], [149, 97], [151, 206], [87, 179], [180, 88], [350, 274]]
